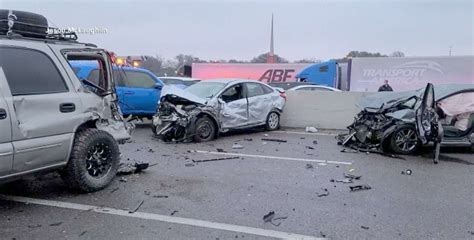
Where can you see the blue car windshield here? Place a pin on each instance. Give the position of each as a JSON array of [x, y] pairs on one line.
[[205, 89]]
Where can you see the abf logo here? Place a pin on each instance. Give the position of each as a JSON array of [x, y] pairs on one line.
[[277, 75]]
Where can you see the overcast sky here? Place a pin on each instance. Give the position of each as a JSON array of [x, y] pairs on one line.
[[226, 29]]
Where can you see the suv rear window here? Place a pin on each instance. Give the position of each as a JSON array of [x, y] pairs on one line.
[[30, 72]]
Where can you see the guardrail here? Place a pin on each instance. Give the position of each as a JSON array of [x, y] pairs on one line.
[[325, 110]]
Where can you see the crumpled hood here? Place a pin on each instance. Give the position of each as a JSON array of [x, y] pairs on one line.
[[174, 92]]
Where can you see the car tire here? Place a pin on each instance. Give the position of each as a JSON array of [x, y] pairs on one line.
[[205, 130], [273, 121], [86, 169], [27, 24], [404, 140]]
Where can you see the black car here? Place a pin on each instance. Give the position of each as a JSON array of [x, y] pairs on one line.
[[402, 122]]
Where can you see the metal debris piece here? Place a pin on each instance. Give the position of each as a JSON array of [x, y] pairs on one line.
[[122, 179], [237, 146], [266, 134], [270, 218], [114, 190], [82, 233], [215, 159], [55, 224], [407, 172], [151, 150], [311, 129], [137, 207], [309, 166], [341, 180], [174, 212], [324, 193], [189, 164], [302, 138], [315, 142], [220, 150], [360, 187], [364, 227], [125, 169], [160, 196], [352, 176], [274, 140], [309, 147]]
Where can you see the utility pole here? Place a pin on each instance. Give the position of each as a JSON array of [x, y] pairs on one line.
[[450, 50]]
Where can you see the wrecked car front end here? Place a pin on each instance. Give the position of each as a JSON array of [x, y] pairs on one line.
[[177, 114]]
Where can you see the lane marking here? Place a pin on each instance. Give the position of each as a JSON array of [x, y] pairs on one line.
[[307, 133], [274, 157], [160, 218]]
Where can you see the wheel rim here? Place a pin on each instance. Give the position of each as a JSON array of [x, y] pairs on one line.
[[406, 140], [273, 120], [204, 130], [99, 160]]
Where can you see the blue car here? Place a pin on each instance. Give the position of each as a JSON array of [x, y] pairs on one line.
[[138, 89]]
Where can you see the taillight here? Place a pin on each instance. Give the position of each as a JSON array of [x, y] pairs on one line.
[[283, 95]]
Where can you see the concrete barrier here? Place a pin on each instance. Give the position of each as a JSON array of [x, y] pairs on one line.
[[326, 110]]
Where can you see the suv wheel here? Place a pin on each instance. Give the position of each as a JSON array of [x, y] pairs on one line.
[[404, 140], [273, 121], [94, 161]]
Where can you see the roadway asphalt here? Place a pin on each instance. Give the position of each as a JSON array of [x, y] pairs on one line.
[[227, 199]]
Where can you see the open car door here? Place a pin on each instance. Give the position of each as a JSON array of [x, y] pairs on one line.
[[428, 127]]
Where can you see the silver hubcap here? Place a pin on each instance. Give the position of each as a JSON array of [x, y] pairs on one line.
[[273, 120], [406, 140]]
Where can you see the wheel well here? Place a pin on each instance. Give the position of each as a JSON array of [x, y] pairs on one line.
[[85, 125], [200, 115]]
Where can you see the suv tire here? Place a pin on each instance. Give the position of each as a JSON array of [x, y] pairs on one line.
[[94, 161], [27, 24]]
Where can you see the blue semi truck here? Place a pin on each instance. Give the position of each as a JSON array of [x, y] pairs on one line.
[[367, 74]]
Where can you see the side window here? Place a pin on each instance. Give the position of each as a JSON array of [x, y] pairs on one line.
[[323, 68], [119, 78], [30, 72], [233, 93], [267, 89], [94, 76], [139, 80], [254, 89]]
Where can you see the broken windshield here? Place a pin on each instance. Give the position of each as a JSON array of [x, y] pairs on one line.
[[206, 89]]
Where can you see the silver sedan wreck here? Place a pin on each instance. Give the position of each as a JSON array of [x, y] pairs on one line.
[[205, 109]]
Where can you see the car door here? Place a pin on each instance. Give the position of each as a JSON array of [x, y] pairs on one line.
[[233, 107], [427, 124], [260, 103], [6, 146], [42, 104], [141, 94]]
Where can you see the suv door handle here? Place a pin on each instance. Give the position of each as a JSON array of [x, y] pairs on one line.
[[67, 107], [3, 114]]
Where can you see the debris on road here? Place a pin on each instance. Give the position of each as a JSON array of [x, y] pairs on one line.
[[274, 140], [270, 218], [309, 166], [122, 179], [189, 164], [407, 172], [126, 169], [360, 187], [341, 180], [237, 146], [348, 150], [160, 196], [364, 227], [174, 212], [324, 193], [55, 224], [351, 176], [114, 190], [309, 147], [137, 207], [220, 150], [215, 159], [248, 139], [266, 134], [311, 129], [315, 142]]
